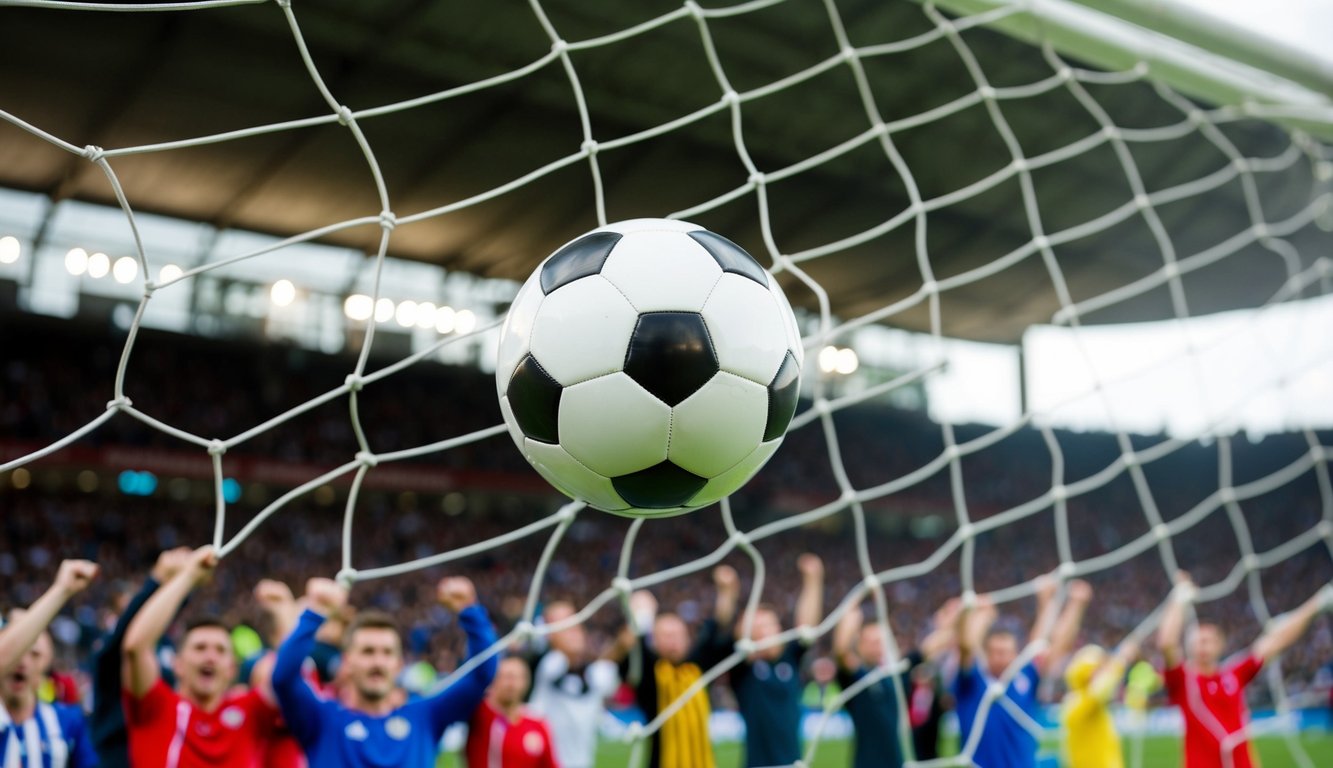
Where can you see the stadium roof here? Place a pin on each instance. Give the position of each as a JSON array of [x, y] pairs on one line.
[[120, 80]]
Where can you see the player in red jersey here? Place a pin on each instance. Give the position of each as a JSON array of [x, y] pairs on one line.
[[502, 734], [1211, 695], [202, 725]]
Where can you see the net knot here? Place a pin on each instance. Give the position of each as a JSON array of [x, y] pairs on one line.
[[871, 582], [731, 98], [346, 577], [524, 629], [1251, 562], [118, 403], [739, 538], [745, 645], [1068, 570], [1059, 493], [590, 146], [693, 9], [388, 220], [807, 634], [986, 92], [567, 512], [622, 585], [93, 152], [1184, 593], [995, 690], [758, 178], [366, 459], [344, 114], [1325, 528], [216, 447], [1326, 597], [1227, 495], [848, 53], [967, 531], [560, 46], [634, 731], [1161, 532], [354, 382], [969, 599]]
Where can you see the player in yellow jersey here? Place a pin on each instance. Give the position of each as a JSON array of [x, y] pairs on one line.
[[1090, 738]]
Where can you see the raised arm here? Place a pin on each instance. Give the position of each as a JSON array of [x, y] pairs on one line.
[[727, 585], [141, 672], [1287, 629], [1047, 587], [944, 631], [1172, 628], [810, 602], [277, 602], [844, 639], [1106, 682], [1067, 625], [299, 704], [972, 625], [457, 702], [17, 637]]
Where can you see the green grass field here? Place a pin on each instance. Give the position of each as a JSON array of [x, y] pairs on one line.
[[1158, 752]]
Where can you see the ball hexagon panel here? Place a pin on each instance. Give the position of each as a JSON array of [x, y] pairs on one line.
[[748, 331], [663, 486], [579, 259], [671, 354], [735, 477], [572, 478], [581, 331], [789, 320], [731, 257], [783, 393], [516, 334], [614, 426], [662, 271], [718, 425], [534, 399]]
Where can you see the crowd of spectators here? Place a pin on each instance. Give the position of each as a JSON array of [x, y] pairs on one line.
[[54, 379]]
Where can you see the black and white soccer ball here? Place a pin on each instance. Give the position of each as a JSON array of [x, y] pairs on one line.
[[649, 367]]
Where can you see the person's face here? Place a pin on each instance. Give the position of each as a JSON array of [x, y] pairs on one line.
[[766, 624], [205, 666], [1001, 650], [671, 639], [511, 682], [372, 660], [823, 670], [23, 680], [1207, 645], [573, 642], [869, 646]]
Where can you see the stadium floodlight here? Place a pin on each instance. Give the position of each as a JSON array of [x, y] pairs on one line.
[[828, 359], [76, 261], [384, 310], [283, 293], [358, 307], [125, 269], [98, 265], [426, 315], [847, 361], [10, 250], [406, 314], [445, 319], [168, 273], [465, 321]]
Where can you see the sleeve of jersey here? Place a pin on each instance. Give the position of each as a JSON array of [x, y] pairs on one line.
[[299, 705], [548, 757], [82, 754], [1246, 669], [1174, 680], [552, 665], [967, 679], [457, 702], [151, 705]]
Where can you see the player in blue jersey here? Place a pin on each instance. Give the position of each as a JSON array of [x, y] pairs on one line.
[[985, 653], [367, 729], [34, 734]]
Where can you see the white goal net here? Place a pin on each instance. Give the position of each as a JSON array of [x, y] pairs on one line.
[[982, 170]]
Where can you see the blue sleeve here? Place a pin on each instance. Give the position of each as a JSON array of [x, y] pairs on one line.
[[81, 753], [300, 706], [968, 679], [457, 702]]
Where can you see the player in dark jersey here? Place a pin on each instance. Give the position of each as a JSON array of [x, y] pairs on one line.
[[370, 727]]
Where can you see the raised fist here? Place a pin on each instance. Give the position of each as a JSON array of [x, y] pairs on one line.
[[725, 579], [810, 566], [169, 563], [75, 575], [274, 596], [1080, 591], [456, 593], [324, 596]]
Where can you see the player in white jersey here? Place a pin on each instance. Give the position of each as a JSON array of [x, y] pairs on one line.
[[34, 734], [570, 690]]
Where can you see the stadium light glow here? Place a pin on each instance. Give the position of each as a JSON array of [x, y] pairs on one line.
[[132, 483], [76, 261], [426, 315], [125, 269], [444, 319], [384, 310], [828, 359], [465, 321], [406, 314], [20, 478], [168, 273], [10, 250], [231, 490], [98, 265], [847, 361], [283, 293], [358, 307]]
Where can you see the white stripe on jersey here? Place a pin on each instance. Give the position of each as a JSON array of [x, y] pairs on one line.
[[42, 728], [178, 741], [495, 755], [55, 737]]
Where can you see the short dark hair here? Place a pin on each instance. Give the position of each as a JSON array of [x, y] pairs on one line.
[[995, 632], [369, 620], [206, 621]]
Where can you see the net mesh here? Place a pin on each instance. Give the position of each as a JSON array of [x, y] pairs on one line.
[[1079, 490]]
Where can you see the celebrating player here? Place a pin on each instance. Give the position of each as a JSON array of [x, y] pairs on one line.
[[1212, 697], [370, 727], [1090, 738], [669, 666], [503, 734], [35, 734], [860, 651], [768, 683], [570, 691], [202, 724], [1005, 741]]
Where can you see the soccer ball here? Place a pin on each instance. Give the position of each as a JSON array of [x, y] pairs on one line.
[[649, 367]]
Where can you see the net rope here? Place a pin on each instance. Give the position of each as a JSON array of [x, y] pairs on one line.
[[1161, 534]]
